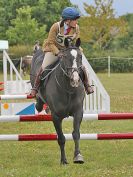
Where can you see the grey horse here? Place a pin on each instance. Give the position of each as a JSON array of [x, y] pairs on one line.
[[63, 91]]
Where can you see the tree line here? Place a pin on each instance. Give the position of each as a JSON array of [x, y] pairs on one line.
[[25, 21]]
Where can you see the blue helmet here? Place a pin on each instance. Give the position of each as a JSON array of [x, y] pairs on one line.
[[70, 13]]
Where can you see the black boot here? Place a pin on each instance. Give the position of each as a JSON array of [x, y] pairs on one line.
[[85, 80], [34, 90]]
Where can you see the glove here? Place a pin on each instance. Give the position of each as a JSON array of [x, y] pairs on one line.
[[60, 55]]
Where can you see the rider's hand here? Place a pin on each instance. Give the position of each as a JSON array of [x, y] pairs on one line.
[[60, 55]]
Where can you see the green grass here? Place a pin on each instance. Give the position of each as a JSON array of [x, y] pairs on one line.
[[120, 89], [102, 158]]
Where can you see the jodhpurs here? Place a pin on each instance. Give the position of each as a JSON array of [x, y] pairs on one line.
[[49, 58]]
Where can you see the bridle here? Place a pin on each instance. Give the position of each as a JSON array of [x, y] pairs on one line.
[[66, 69]]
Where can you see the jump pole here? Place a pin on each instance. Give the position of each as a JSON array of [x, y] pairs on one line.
[[45, 137], [11, 97], [46, 117], [25, 118], [1, 83], [1, 89]]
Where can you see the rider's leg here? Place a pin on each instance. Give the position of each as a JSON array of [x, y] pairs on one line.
[[86, 82], [48, 59], [34, 90]]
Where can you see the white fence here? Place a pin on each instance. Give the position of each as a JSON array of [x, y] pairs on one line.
[[98, 102], [13, 82]]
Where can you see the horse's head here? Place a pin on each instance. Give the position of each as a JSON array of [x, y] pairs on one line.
[[71, 62], [25, 64]]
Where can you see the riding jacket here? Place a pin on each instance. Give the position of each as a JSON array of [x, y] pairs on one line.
[[55, 41]]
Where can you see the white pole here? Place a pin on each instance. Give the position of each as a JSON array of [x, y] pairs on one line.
[[108, 66], [4, 71]]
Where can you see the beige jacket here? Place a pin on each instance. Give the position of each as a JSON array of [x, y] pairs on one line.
[[50, 44]]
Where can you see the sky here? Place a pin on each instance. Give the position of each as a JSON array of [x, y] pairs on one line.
[[121, 7]]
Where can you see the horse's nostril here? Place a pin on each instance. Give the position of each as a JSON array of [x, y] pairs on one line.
[[74, 83]]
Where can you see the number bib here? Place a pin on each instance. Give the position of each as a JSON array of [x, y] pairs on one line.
[[60, 38]]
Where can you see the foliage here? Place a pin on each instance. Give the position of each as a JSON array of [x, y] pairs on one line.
[[18, 51], [45, 12], [24, 29], [101, 26], [113, 51], [117, 65], [48, 12], [102, 34], [8, 11], [127, 41]]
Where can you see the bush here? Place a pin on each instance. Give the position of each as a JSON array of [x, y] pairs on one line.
[[16, 52], [20, 51], [116, 65]]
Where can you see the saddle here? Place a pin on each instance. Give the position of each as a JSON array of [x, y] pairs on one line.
[[47, 72]]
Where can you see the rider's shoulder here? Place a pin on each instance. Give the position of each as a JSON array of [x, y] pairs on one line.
[[55, 25]]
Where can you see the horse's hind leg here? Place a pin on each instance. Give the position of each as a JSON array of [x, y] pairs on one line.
[[61, 138], [78, 158]]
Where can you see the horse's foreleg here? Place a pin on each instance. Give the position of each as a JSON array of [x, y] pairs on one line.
[[61, 138], [39, 104], [78, 158]]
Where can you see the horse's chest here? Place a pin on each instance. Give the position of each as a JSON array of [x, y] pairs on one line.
[[69, 103]]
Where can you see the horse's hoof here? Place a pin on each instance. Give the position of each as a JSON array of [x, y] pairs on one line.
[[64, 162], [78, 159]]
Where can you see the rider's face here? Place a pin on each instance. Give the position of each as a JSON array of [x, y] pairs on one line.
[[72, 23]]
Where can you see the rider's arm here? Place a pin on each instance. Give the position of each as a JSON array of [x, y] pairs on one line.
[[78, 36], [51, 40]]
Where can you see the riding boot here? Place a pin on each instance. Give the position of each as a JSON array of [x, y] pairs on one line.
[[34, 90], [88, 87]]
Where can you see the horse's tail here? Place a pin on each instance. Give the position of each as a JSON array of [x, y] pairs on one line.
[[17, 63]]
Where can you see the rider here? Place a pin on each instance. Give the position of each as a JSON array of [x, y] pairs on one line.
[[66, 28]]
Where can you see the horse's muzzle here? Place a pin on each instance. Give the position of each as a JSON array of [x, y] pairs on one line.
[[74, 80]]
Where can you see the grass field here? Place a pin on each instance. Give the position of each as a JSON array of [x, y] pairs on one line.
[[102, 158]]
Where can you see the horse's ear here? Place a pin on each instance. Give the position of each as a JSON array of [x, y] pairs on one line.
[[78, 42], [66, 42]]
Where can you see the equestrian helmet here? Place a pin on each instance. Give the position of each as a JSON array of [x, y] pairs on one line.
[[70, 13]]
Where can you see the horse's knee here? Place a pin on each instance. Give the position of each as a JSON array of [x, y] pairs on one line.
[[61, 139], [76, 135]]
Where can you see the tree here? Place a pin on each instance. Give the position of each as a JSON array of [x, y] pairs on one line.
[[8, 12], [101, 26], [44, 11], [24, 29], [127, 41], [49, 11]]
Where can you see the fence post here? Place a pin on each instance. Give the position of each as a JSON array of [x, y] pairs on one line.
[[108, 66]]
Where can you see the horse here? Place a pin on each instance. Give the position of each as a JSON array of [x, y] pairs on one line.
[[64, 93], [25, 64]]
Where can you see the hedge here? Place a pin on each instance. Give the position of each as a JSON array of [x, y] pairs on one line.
[[116, 65]]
